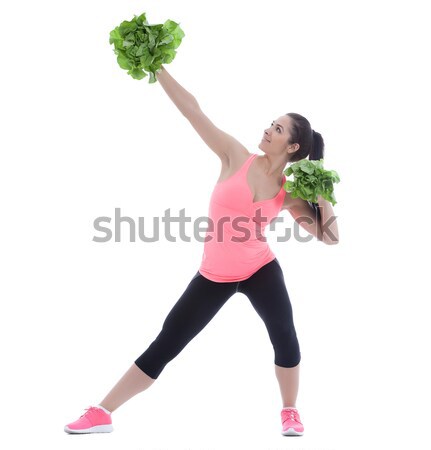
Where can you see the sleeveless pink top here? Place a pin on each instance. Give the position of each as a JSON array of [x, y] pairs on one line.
[[235, 246]]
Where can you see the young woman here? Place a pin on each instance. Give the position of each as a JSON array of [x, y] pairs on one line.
[[248, 196]]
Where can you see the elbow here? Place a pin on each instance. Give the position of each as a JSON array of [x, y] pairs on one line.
[[329, 236], [191, 109], [328, 239], [333, 240]]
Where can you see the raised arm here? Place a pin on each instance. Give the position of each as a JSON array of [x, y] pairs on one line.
[[221, 143], [182, 98]]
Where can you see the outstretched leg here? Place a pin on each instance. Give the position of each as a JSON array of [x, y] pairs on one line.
[[199, 303]]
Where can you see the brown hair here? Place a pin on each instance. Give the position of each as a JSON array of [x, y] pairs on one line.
[[310, 142]]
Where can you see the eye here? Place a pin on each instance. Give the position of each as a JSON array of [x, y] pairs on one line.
[[278, 128]]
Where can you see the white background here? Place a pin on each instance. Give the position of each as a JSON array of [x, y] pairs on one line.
[[80, 138]]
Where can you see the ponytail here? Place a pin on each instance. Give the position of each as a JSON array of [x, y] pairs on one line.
[[317, 147]]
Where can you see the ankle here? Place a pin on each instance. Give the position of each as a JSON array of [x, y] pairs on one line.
[[103, 408]]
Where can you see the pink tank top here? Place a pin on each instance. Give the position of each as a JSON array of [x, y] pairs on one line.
[[235, 245]]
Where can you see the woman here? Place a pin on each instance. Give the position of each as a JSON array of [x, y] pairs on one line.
[[248, 195]]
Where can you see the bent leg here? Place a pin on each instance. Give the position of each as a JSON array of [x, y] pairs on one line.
[[267, 293]]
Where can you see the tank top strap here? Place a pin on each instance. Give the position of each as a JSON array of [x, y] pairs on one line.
[[247, 163]]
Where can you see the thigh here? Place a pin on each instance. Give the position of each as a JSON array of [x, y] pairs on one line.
[[267, 292], [198, 304]]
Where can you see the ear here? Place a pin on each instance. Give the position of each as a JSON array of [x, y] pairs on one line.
[[293, 148]]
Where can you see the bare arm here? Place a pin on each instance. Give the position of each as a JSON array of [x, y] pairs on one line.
[[329, 222], [221, 143], [182, 98], [325, 230]]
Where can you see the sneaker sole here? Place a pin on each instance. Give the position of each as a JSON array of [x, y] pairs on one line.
[[96, 429], [292, 432]]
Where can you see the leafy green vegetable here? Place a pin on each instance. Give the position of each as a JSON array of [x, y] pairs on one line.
[[311, 180], [144, 48]]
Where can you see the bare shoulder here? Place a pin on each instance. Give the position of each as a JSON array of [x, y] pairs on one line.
[[236, 157]]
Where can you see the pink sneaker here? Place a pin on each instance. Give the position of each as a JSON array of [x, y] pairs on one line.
[[95, 420], [291, 423]]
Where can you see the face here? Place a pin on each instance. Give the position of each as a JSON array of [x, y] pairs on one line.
[[276, 136]]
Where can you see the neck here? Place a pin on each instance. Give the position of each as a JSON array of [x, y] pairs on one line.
[[273, 166]]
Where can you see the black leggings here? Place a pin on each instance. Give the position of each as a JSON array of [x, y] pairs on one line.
[[202, 299]]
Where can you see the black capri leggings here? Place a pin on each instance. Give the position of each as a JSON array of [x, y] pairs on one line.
[[202, 299]]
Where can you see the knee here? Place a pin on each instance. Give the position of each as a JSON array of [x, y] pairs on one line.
[[287, 360], [286, 349]]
